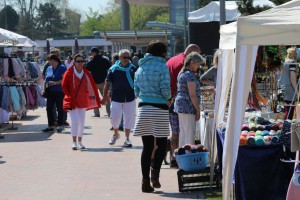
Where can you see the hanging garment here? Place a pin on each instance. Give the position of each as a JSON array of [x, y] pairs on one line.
[[41, 102], [22, 98], [16, 68], [11, 73], [5, 68], [22, 68], [15, 99], [6, 99], [30, 99]]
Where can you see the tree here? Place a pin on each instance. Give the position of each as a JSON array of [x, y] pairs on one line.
[[49, 21], [26, 12], [246, 6], [139, 15], [9, 18]]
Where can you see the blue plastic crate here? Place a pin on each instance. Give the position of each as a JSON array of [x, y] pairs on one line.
[[192, 161]]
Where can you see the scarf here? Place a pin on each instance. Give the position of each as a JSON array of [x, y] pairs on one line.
[[117, 66]]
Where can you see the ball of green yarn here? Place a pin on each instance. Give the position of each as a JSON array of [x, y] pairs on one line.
[[258, 133]]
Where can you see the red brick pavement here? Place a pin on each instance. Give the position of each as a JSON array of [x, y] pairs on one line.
[[40, 166]]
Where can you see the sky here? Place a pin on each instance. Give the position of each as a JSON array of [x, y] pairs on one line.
[[83, 5]]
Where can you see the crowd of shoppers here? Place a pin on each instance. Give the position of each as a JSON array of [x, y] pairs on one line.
[[168, 92]]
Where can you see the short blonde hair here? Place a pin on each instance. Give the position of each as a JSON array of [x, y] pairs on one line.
[[291, 54]]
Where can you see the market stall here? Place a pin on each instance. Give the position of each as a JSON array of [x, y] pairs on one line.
[[277, 26]]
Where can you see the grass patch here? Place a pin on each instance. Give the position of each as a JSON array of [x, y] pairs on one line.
[[213, 194]]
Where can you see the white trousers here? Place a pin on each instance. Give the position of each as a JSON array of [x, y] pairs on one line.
[[187, 127], [128, 110], [77, 121]]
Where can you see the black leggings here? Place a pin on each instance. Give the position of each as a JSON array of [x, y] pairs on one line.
[[148, 142]]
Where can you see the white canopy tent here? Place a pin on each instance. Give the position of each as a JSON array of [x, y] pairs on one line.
[[21, 40], [277, 26], [211, 12]]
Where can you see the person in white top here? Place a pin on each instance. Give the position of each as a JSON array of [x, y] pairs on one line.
[[69, 62]]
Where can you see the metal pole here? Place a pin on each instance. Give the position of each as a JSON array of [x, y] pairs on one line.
[[222, 12], [185, 32]]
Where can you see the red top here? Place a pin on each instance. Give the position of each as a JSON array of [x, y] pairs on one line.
[[175, 64], [87, 97], [82, 93]]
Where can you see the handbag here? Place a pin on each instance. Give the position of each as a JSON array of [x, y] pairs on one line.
[[45, 93]]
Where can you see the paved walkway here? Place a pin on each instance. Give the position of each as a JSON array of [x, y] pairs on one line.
[[40, 166]]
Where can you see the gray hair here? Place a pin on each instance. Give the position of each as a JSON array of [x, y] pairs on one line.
[[122, 51], [194, 56]]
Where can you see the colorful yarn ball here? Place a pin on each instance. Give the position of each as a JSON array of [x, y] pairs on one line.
[[268, 127], [251, 133], [272, 132], [265, 132], [250, 140], [267, 140], [259, 141], [252, 127], [274, 140], [243, 140], [245, 127], [244, 133], [258, 133], [260, 127], [259, 120]]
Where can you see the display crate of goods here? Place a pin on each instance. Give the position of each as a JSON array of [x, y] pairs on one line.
[[196, 180], [192, 161]]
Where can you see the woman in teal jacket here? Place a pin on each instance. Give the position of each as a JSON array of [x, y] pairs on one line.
[[152, 86]]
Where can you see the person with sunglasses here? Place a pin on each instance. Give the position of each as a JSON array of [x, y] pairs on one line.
[[120, 76], [81, 94]]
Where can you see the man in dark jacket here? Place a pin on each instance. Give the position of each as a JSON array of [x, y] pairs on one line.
[[98, 67]]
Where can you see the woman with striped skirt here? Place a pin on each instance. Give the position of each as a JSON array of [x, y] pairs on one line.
[[152, 86]]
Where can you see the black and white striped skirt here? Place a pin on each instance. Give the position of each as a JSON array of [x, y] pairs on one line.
[[152, 121]]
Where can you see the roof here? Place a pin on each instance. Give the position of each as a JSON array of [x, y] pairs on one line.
[[211, 12], [135, 37]]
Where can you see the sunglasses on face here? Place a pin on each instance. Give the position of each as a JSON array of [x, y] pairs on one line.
[[124, 57], [79, 61]]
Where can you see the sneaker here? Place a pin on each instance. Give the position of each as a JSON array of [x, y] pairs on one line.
[[114, 139], [66, 123], [127, 143], [121, 128], [111, 129], [48, 129], [74, 146], [173, 164], [59, 130], [80, 146]]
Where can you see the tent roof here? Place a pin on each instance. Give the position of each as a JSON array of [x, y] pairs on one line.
[[211, 12], [277, 26], [21, 39]]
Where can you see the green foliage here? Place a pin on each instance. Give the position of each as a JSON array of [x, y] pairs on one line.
[[203, 3], [246, 7], [10, 16], [139, 15], [49, 21], [279, 2]]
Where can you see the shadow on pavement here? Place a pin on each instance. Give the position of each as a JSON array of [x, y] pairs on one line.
[[2, 162], [26, 137], [178, 195], [30, 118], [69, 133], [103, 150]]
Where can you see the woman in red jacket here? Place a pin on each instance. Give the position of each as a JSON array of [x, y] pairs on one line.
[[81, 94]]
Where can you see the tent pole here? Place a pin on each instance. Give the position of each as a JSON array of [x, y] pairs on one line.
[[222, 12]]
